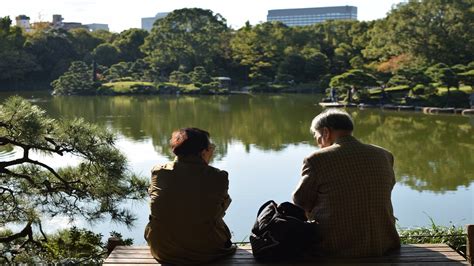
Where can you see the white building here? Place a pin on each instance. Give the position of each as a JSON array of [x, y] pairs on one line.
[[23, 22], [147, 23], [97, 26]]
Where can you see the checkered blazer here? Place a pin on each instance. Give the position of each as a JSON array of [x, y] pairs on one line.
[[347, 187]]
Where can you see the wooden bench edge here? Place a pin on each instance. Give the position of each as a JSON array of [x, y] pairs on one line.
[[114, 242], [470, 243]]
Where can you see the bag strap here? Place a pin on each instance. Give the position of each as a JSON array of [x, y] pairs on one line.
[[265, 205]]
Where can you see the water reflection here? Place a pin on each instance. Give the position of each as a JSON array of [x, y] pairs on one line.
[[433, 153], [6, 151]]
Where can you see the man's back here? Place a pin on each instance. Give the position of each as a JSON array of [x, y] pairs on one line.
[[347, 186]]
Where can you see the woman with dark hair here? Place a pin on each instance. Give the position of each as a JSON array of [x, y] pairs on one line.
[[188, 202]]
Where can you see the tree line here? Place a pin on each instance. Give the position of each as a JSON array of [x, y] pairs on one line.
[[398, 50]]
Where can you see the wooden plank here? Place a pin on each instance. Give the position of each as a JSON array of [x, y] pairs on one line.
[[446, 256], [418, 254], [307, 263], [132, 261]]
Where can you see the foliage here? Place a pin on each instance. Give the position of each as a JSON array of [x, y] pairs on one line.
[[418, 89], [443, 76], [355, 77], [139, 70], [187, 38], [199, 75], [467, 78], [106, 54], [317, 64], [179, 77], [414, 76], [258, 50], [128, 44], [15, 62], [457, 99], [294, 66], [454, 236], [54, 51], [83, 42], [414, 36], [77, 80], [66, 246], [31, 190], [432, 30]]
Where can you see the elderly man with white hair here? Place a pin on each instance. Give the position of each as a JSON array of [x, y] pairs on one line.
[[346, 187]]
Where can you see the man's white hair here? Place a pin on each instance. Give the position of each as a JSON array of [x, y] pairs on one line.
[[331, 118]]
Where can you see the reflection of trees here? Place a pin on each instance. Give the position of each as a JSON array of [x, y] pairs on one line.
[[268, 122], [6, 150], [431, 152]]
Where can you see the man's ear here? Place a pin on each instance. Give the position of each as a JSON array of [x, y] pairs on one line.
[[326, 132]]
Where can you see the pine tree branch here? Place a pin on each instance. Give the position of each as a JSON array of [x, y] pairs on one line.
[[27, 177], [57, 148], [26, 232]]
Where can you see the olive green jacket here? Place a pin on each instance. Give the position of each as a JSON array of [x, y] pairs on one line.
[[188, 202]]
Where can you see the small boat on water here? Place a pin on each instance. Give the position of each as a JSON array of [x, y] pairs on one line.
[[336, 104]]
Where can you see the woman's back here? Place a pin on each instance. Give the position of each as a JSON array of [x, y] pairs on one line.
[[188, 202], [188, 191]]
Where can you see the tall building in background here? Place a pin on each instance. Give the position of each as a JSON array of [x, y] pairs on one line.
[[147, 23], [309, 16], [23, 22]]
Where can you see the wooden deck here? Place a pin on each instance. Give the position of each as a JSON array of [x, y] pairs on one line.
[[420, 254]]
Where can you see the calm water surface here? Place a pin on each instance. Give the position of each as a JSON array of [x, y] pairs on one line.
[[262, 140]]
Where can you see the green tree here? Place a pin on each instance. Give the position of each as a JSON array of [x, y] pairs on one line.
[[355, 77], [128, 43], [31, 190], [443, 76], [118, 71], [433, 30], [15, 63], [343, 53], [293, 64], [179, 77], [467, 78], [106, 54], [53, 50], [260, 49], [200, 75], [188, 38], [317, 64], [77, 80], [414, 76], [84, 42], [104, 35]]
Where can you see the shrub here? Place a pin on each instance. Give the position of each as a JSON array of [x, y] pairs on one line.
[[418, 89], [453, 236]]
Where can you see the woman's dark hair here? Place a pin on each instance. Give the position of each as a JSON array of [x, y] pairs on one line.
[[189, 141]]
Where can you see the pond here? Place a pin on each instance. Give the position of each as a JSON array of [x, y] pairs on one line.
[[262, 141]]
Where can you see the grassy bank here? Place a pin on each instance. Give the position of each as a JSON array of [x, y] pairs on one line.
[[140, 87]]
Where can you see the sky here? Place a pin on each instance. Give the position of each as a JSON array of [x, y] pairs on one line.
[[122, 14]]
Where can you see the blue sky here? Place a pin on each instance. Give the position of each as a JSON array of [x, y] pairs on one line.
[[124, 14]]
